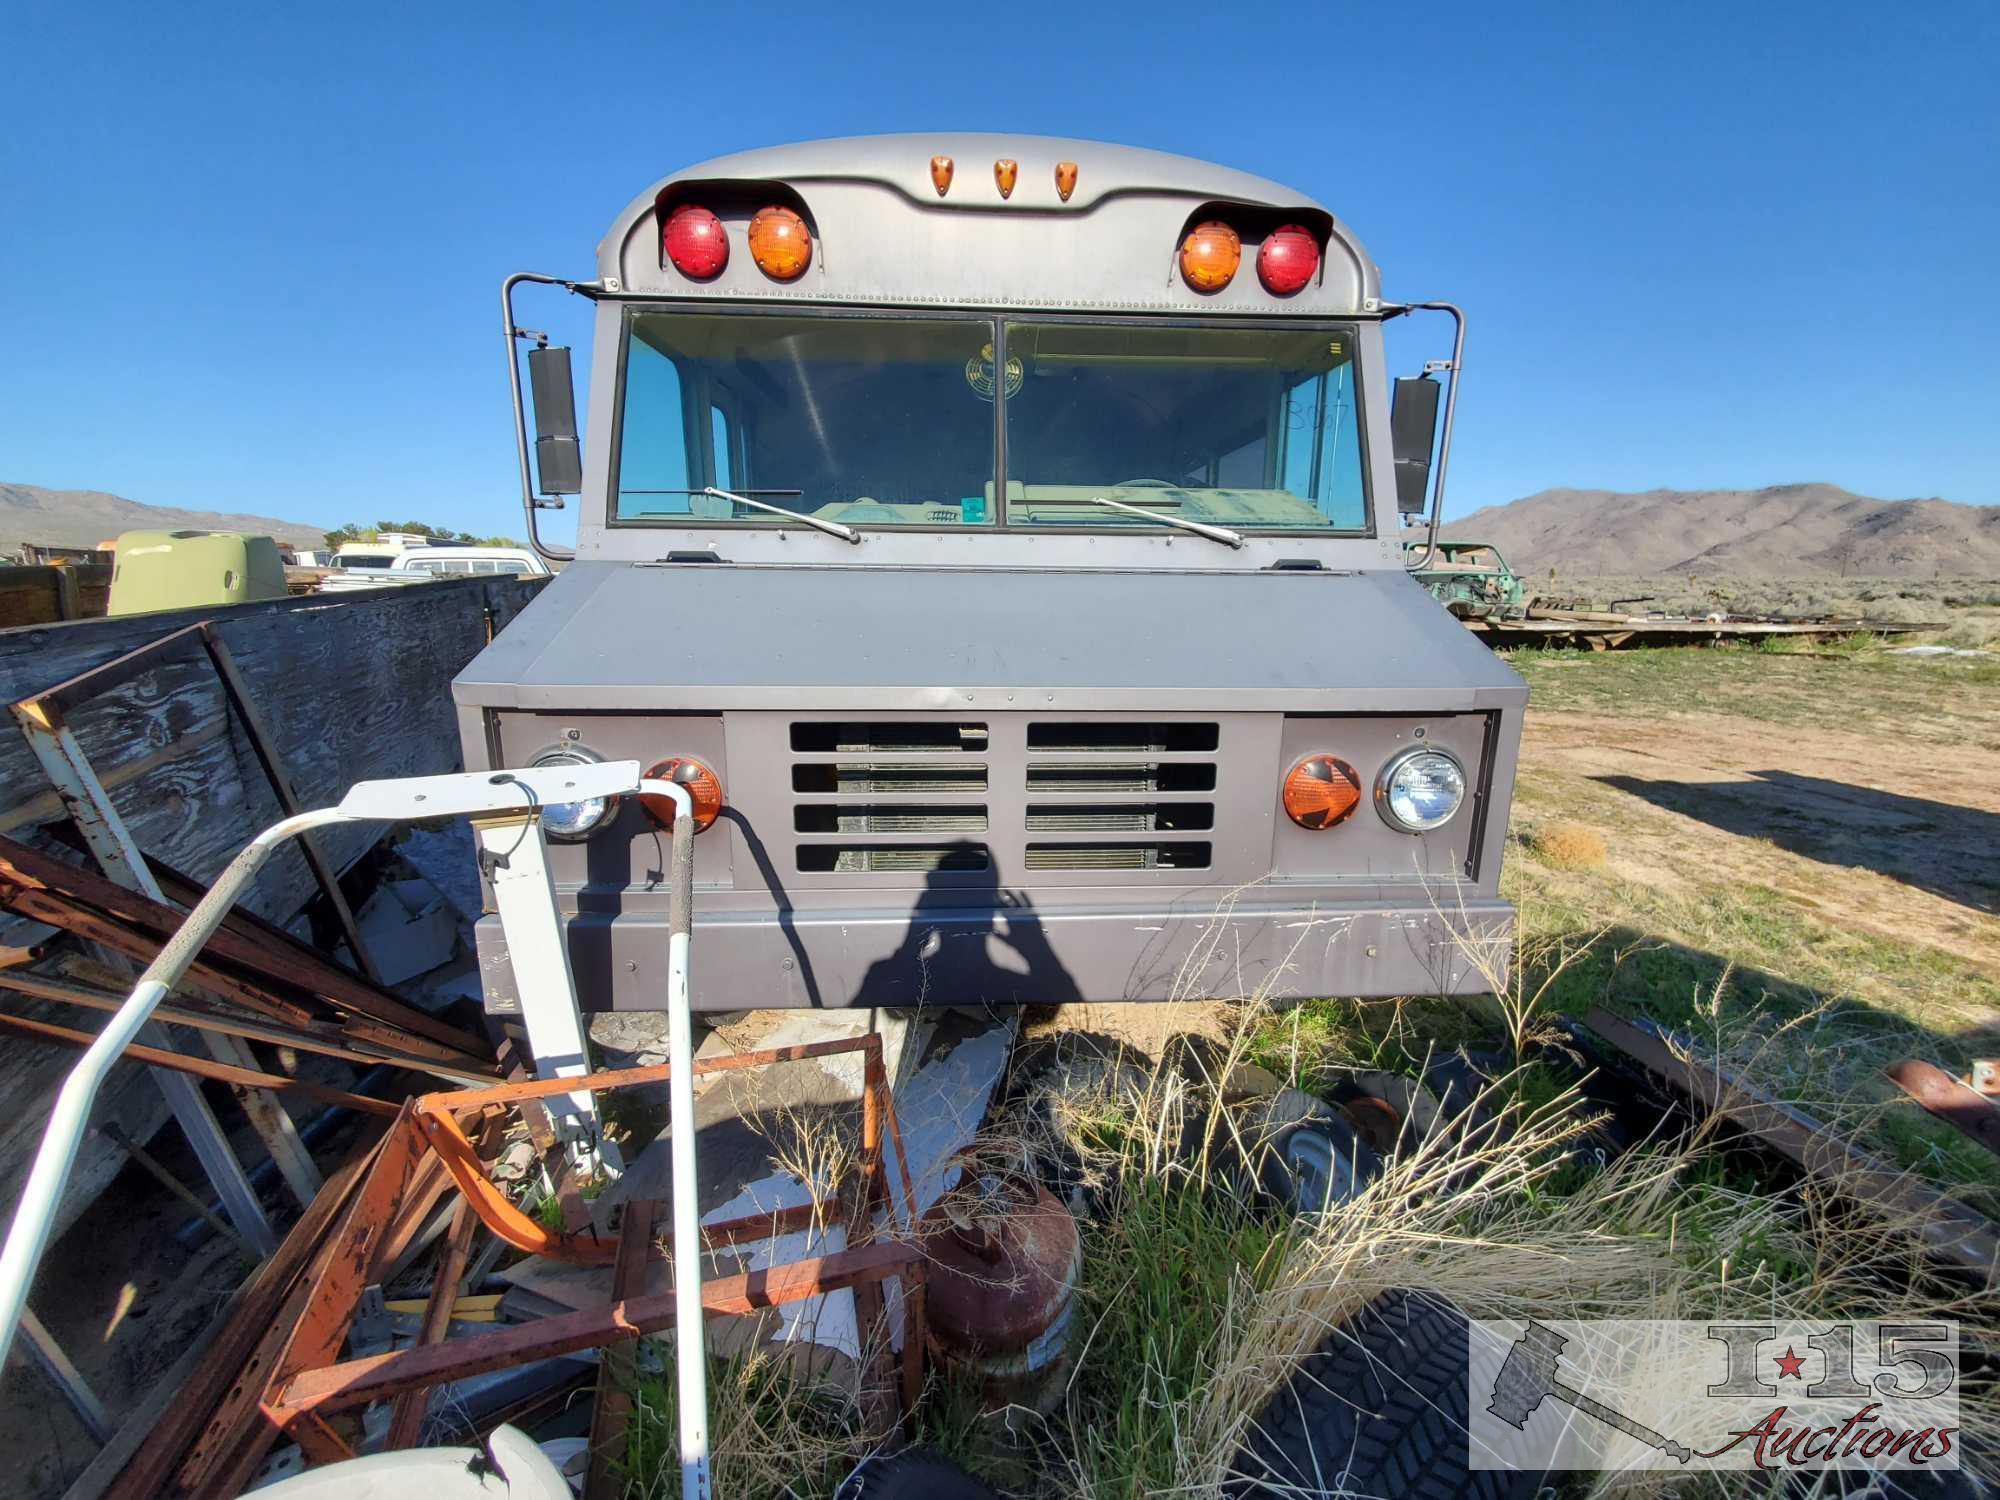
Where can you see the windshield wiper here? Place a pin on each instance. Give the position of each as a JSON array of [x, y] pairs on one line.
[[831, 528], [1220, 534]]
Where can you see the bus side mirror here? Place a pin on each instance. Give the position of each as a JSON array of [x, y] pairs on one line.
[[558, 456], [1413, 420]]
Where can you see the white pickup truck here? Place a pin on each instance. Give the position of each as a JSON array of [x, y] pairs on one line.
[[422, 564]]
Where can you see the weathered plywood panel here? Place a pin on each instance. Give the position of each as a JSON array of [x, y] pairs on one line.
[[352, 688]]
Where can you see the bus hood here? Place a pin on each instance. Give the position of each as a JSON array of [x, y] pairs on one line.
[[717, 636]]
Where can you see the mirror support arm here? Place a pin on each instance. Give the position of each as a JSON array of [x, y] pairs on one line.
[[1451, 369], [529, 504]]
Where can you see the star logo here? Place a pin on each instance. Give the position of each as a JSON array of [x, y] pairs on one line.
[[1789, 1364]]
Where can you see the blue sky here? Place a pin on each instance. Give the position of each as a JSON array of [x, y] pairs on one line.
[[248, 257]]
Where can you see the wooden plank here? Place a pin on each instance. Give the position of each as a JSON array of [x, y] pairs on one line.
[[29, 595]]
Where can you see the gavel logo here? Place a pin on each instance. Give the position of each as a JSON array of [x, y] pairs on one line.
[[1528, 1378]]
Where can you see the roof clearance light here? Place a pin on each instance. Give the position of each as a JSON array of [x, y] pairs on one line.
[[701, 784], [695, 242], [1321, 791], [1210, 256], [780, 243], [1065, 179], [1287, 260], [1005, 171], [941, 173]]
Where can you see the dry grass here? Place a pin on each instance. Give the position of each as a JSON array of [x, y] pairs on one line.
[[1495, 1218], [1568, 845]]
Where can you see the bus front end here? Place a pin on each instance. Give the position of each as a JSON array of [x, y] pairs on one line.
[[1001, 538]]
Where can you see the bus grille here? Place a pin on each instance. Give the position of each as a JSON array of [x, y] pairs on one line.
[[914, 796]]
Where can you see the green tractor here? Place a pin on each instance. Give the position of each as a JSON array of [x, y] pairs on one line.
[[1473, 581]]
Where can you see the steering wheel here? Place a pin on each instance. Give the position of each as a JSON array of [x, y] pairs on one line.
[[1145, 484]]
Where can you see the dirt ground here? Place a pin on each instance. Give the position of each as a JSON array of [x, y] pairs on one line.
[[1900, 840]]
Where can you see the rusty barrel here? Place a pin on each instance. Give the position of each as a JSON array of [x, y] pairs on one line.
[[1005, 1258]]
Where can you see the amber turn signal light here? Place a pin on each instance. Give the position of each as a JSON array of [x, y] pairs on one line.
[[1321, 790], [780, 243], [702, 786], [1005, 171], [1210, 255], [941, 174]]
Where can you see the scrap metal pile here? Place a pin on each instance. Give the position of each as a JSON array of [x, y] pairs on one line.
[[313, 1350]]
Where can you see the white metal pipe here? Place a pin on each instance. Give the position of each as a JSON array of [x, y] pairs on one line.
[[690, 1329], [34, 1216]]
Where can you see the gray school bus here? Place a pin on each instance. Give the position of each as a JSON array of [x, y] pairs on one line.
[[1002, 539]]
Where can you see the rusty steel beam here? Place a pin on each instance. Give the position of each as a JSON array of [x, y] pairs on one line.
[[179, 1062], [406, 1417], [319, 1392], [617, 1367], [257, 962], [327, 1038], [200, 1414], [1966, 1110], [1953, 1233]]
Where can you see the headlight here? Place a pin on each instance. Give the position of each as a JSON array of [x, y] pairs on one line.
[[1420, 790], [572, 822]]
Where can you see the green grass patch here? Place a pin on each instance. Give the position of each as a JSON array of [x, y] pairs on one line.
[[1157, 1284]]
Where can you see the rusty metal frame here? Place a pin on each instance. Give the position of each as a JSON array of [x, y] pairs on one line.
[[309, 1384], [1965, 1109]]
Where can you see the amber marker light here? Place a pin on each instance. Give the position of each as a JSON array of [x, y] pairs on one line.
[[1065, 179], [1210, 256], [1005, 171], [1321, 790], [941, 174], [780, 243], [702, 786]]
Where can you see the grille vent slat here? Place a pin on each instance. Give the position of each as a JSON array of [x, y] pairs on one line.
[[1120, 793]]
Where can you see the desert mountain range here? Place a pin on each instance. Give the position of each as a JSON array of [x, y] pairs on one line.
[[1786, 531], [83, 518]]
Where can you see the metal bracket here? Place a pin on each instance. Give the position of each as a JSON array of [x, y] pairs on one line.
[[473, 793]]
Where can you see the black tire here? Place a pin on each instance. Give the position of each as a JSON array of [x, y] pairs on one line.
[[1380, 1410], [913, 1474]]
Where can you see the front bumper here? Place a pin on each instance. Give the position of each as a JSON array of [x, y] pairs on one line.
[[1016, 955]]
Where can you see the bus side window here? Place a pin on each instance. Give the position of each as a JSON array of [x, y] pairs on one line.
[[652, 448]]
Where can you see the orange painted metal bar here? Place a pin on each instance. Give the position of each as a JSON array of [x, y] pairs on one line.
[[434, 1114], [341, 1387]]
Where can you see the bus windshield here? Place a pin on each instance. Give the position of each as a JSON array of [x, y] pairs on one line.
[[890, 421]]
